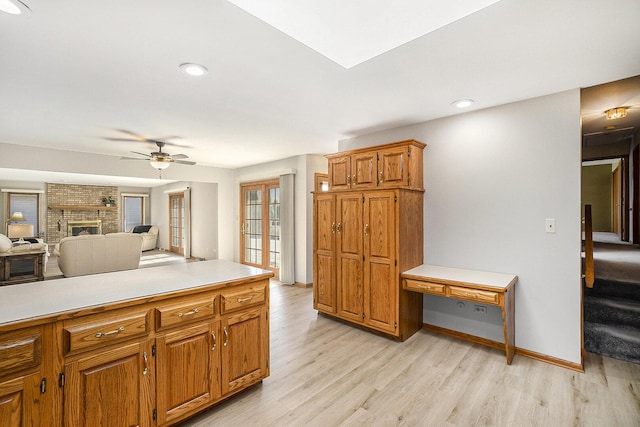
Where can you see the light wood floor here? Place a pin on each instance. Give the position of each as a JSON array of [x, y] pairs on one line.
[[326, 373]]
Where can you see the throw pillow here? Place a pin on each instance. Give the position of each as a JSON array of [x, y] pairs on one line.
[[141, 228], [5, 243]]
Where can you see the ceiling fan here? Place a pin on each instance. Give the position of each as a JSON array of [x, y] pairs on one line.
[[157, 159]]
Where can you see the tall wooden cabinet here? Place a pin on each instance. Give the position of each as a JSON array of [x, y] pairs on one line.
[[367, 230]]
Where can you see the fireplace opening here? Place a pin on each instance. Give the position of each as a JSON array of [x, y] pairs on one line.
[[81, 228]]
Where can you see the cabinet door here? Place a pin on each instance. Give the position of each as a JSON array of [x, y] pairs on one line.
[[381, 281], [113, 388], [339, 172], [324, 284], [19, 401], [393, 167], [20, 375], [349, 256], [188, 370], [245, 349], [364, 168]]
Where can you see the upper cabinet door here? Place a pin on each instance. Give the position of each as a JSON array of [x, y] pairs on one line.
[[393, 167], [340, 173], [364, 168]]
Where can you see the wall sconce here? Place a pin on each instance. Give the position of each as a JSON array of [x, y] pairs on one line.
[[616, 113]]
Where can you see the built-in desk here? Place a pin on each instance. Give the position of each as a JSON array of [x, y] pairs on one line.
[[480, 286]]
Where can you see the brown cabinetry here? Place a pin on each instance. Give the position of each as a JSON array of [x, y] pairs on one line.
[[21, 377], [363, 239], [111, 387], [398, 164], [152, 361]]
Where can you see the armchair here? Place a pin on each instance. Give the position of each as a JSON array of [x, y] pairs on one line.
[[149, 235]]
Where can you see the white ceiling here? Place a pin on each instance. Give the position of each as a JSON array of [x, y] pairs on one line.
[[351, 32], [74, 71]]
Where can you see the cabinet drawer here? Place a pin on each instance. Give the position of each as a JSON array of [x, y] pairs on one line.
[[98, 330], [424, 287], [185, 311], [238, 299], [20, 350], [474, 295]]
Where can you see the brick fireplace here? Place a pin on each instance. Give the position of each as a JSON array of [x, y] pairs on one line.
[[72, 203], [79, 228]]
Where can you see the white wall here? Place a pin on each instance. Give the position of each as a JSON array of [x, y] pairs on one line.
[[492, 177], [46, 159], [304, 166]]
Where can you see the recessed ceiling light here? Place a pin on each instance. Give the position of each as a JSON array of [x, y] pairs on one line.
[[463, 103], [14, 7], [194, 69]]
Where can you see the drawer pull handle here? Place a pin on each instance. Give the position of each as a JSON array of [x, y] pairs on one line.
[[467, 294], [106, 334], [145, 371], [241, 300], [226, 336], [427, 287], [213, 335], [188, 313]]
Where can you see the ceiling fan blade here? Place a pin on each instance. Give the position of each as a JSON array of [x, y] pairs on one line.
[[132, 158], [122, 139], [179, 156], [142, 154], [184, 162], [137, 137]]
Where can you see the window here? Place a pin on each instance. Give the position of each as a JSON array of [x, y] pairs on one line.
[[133, 212], [27, 203]]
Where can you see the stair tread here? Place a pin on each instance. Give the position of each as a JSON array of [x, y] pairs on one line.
[[620, 331], [612, 302]]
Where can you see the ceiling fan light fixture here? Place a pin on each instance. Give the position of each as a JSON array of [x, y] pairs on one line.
[[159, 164], [14, 7], [616, 113], [195, 70]]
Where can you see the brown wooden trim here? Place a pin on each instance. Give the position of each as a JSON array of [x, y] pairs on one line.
[[579, 367], [463, 336], [303, 285], [375, 147]]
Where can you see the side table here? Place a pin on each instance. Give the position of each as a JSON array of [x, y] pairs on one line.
[[21, 266]]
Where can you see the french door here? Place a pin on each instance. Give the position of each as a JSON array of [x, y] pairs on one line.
[[176, 223], [260, 225]]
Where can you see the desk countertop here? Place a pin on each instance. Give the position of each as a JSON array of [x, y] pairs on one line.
[[451, 275], [52, 297]]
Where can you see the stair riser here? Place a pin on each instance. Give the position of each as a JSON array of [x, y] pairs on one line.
[[611, 316], [607, 289]]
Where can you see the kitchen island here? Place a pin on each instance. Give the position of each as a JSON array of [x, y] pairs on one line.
[[139, 347]]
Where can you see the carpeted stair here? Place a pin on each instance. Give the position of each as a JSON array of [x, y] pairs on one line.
[[612, 320]]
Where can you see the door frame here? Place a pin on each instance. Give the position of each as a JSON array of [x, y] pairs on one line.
[[176, 249], [264, 186]]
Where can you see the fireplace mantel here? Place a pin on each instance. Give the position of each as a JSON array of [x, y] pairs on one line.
[[83, 208]]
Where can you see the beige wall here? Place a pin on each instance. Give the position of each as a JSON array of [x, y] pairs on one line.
[[596, 191]]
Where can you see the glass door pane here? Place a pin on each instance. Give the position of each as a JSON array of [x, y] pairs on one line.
[[253, 226]]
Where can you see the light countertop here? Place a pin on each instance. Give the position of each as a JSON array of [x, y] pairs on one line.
[[443, 274], [45, 298]]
